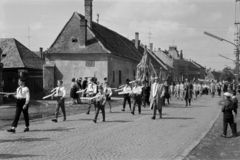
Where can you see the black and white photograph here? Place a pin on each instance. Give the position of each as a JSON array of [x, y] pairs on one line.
[[119, 79]]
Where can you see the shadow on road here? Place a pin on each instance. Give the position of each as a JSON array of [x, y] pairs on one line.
[[24, 140], [118, 121], [181, 118], [52, 130], [10, 156]]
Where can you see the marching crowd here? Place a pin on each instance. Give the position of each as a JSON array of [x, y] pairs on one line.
[[154, 94]]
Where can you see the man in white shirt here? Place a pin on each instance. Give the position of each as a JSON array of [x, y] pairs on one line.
[[108, 92], [137, 97], [91, 92], [60, 95], [23, 98], [127, 96]]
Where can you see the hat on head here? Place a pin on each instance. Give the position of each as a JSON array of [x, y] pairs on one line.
[[92, 79], [227, 94]]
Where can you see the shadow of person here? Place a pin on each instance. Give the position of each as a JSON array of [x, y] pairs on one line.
[[10, 156], [52, 130], [23, 140]]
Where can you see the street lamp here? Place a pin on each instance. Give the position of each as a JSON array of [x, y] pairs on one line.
[[237, 54]]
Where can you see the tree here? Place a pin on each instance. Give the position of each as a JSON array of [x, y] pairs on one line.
[[227, 75]]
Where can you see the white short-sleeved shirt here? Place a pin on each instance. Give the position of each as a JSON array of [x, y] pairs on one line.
[[22, 92]]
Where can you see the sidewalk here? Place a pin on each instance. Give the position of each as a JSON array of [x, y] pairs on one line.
[[122, 136], [215, 147]]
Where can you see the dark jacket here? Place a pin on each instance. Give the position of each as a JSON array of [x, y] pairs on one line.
[[84, 84], [227, 109], [235, 104]]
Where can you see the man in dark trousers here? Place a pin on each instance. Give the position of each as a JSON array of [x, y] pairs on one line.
[[227, 109], [23, 98], [100, 104], [60, 96], [167, 94], [137, 97], [127, 97], [188, 87]]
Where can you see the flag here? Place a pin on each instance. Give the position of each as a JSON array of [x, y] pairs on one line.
[[145, 68]]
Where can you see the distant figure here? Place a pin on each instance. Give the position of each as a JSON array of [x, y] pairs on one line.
[[79, 83], [188, 87], [23, 98], [73, 91], [85, 83], [181, 91], [213, 88], [225, 87], [108, 93], [166, 93], [171, 89], [177, 90], [105, 80], [91, 92], [100, 104], [227, 110], [145, 94], [60, 95]]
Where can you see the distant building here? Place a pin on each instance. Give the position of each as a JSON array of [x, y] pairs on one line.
[[18, 61], [87, 49], [181, 68]]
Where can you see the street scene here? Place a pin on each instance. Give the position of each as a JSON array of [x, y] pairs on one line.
[[119, 80]]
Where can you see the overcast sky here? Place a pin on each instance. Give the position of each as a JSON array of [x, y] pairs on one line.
[[171, 22]]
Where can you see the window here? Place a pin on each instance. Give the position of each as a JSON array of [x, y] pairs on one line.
[[90, 64], [113, 76], [120, 77], [74, 40]]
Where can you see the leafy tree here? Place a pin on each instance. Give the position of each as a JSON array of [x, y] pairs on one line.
[[227, 75]]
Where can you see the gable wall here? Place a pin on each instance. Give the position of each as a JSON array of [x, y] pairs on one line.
[[68, 66]]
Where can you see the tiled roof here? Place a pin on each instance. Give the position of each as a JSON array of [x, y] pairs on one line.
[[165, 58], [111, 42], [16, 55], [115, 43]]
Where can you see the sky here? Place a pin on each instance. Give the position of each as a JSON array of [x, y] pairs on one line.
[[170, 22]]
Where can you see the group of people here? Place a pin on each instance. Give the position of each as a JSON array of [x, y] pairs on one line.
[[154, 94], [144, 93]]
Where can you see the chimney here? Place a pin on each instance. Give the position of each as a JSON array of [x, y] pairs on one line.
[[88, 12], [83, 32], [181, 55], [151, 47], [41, 52], [137, 40]]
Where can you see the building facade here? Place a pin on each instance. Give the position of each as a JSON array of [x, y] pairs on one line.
[[87, 49]]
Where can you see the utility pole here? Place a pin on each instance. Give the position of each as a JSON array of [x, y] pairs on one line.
[[29, 37], [237, 37]]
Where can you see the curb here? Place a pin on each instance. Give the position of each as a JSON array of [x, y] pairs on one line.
[[195, 143]]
